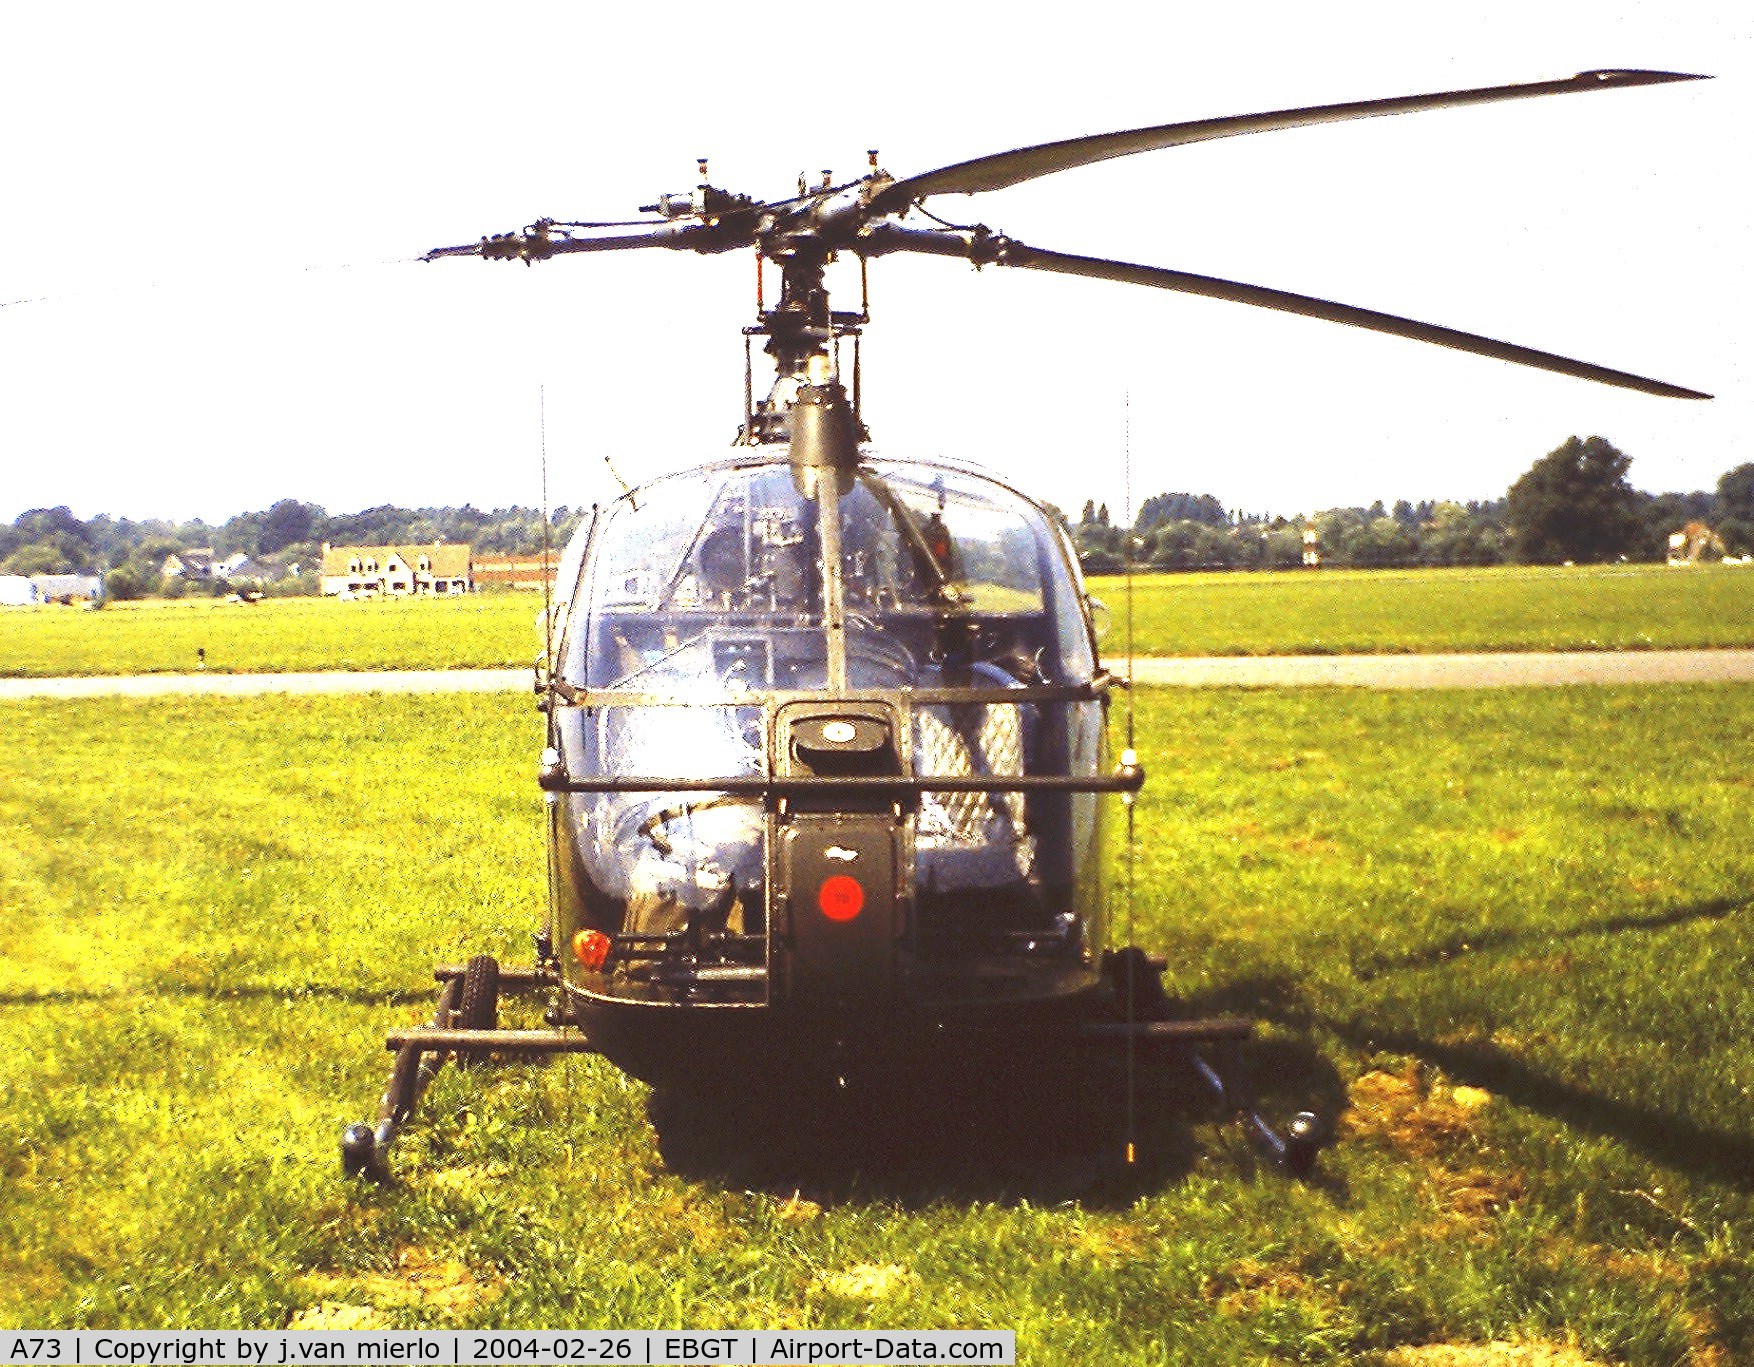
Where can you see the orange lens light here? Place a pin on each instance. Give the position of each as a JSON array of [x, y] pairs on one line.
[[591, 947], [841, 898]]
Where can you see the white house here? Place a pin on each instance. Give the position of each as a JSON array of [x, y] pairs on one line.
[[190, 564], [67, 588], [396, 571]]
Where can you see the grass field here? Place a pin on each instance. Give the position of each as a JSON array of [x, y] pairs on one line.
[[1511, 931], [1634, 607], [279, 635], [1332, 612]]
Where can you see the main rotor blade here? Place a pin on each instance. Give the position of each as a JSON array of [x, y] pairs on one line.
[[1011, 253], [1026, 163], [528, 246]]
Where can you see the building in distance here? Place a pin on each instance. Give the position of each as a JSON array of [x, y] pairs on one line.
[[75, 590], [191, 564], [527, 571], [441, 569]]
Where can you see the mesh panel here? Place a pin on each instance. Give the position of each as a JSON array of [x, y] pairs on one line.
[[973, 740]]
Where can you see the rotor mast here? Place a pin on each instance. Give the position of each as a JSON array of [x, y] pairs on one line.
[[803, 330]]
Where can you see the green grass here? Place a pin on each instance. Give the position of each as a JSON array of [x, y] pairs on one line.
[[1328, 612], [279, 635], [1512, 929], [1626, 607]]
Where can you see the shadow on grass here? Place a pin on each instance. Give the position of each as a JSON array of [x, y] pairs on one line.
[[1674, 1140], [1477, 941], [355, 996], [1041, 1130]]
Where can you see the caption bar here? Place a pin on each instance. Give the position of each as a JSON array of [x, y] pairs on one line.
[[284, 1348]]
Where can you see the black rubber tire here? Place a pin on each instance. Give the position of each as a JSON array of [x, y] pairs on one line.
[[478, 1007], [358, 1149], [1131, 967], [1305, 1138]]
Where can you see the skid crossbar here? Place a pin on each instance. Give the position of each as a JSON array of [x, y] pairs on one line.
[[432, 1040]]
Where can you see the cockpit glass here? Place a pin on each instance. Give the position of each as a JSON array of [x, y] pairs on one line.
[[711, 584], [990, 551]]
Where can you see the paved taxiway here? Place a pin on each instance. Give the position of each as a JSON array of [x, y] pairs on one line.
[[1518, 670]]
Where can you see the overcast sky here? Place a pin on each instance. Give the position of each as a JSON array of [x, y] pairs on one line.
[[210, 216]]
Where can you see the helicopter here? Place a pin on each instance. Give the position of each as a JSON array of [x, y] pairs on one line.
[[827, 765]]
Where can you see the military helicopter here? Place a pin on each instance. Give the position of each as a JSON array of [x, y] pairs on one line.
[[827, 755]]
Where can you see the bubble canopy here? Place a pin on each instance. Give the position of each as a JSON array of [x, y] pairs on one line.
[[712, 584]]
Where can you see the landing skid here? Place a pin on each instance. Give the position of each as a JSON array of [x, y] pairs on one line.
[[465, 1027]]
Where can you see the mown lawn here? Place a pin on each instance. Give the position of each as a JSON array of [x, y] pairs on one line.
[[1509, 931], [1626, 607], [1524, 607], [279, 635]]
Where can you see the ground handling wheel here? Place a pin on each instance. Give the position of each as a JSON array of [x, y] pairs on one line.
[[1137, 983], [1306, 1135], [358, 1151], [1140, 1010], [478, 1007]]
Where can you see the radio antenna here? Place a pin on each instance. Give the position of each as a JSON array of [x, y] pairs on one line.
[[547, 542], [1130, 757], [626, 488]]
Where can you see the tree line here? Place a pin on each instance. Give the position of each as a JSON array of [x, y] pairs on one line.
[[284, 542], [1573, 504]]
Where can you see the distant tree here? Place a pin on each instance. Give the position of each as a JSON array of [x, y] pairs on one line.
[[1661, 515], [1337, 533], [1381, 542], [1164, 508], [40, 557], [1455, 535], [1173, 546], [47, 541], [242, 532], [1735, 509], [1413, 516], [381, 526], [286, 523], [114, 539], [129, 581], [1735, 493], [1101, 548], [1282, 546], [1573, 504]]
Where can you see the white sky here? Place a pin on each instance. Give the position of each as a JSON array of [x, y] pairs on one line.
[[212, 211]]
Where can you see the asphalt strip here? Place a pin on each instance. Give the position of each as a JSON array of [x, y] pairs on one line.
[[1515, 670], [1520, 670], [254, 685]]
